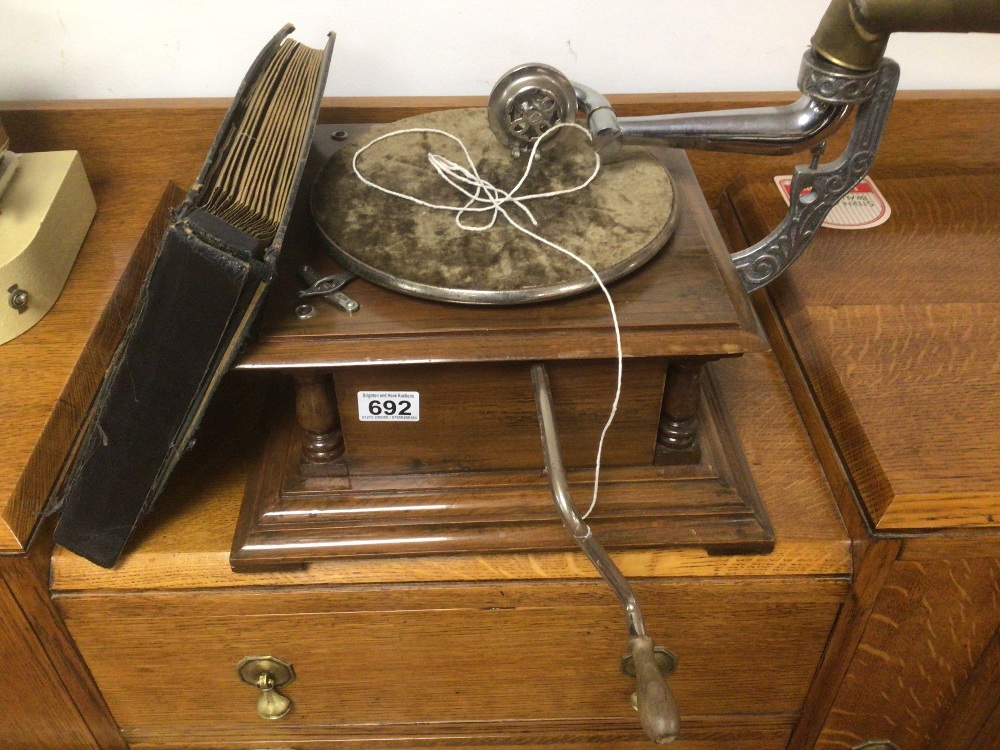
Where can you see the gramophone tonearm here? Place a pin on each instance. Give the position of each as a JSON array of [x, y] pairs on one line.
[[843, 69]]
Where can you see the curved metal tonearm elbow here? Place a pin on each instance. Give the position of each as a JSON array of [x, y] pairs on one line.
[[849, 43], [816, 189], [829, 93], [761, 130]]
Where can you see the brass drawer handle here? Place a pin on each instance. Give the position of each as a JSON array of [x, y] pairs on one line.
[[267, 674]]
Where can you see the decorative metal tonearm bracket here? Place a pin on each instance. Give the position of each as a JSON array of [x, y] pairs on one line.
[[815, 189]]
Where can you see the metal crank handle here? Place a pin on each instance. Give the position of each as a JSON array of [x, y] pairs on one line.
[[657, 710]]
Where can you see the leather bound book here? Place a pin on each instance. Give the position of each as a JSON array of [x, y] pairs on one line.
[[201, 294]]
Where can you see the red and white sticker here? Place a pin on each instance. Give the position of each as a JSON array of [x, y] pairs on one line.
[[862, 208]]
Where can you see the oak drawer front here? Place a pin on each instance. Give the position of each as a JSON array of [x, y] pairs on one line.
[[382, 661]]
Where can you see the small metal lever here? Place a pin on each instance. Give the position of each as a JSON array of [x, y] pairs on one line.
[[325, 285], [657, 710], [328, 287]]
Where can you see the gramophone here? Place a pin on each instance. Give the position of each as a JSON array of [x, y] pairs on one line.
[[419, 363], [414, 421]]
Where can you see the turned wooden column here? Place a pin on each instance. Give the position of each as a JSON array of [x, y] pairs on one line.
[[677, 437], [318, 417]]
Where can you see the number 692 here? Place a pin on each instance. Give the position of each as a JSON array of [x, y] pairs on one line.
[[390, 407]]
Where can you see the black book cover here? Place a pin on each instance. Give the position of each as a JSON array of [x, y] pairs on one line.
[[201, 294]]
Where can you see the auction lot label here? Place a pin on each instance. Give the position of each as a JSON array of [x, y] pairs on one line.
[[389, 406]]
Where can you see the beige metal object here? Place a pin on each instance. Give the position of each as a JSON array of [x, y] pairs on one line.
[[45, 213], [268, 674], [854, 33]]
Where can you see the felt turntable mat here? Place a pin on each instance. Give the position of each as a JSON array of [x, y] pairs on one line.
[[618, 222]]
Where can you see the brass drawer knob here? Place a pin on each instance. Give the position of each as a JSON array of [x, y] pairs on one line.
[[267, 674]]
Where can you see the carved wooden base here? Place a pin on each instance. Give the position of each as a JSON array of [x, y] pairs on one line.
[[291, 517]]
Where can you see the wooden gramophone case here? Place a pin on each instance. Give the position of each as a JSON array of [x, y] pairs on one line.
[[469, 475]]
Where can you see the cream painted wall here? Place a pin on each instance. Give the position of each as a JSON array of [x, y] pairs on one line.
[[161, 48]]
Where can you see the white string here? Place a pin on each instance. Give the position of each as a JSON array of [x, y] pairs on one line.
[[488, 197]]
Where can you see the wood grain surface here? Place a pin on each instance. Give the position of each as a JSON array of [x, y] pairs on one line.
[[937, 454], [701, 733], [897, 329], [38, 712], [888, 343], [482, 416], [930, 624], [872, 558], [291, 514], [973, 722], [72, 703]]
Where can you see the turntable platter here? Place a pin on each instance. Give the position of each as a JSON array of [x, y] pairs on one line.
[[620, 221]]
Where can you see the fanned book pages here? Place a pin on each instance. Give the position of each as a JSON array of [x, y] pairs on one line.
[[250, 184], [202, 292]]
